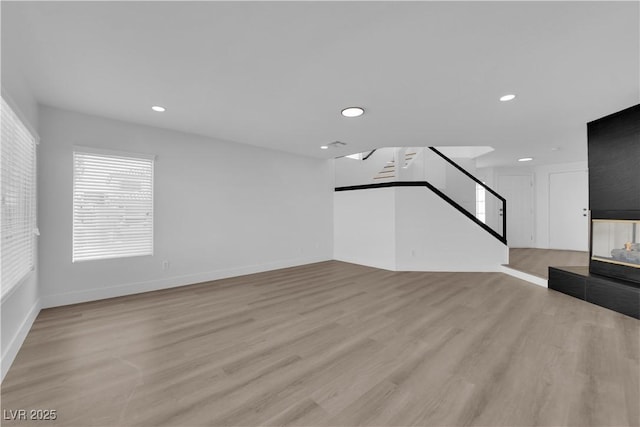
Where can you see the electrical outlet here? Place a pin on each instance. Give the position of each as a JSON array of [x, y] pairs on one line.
[[165, 265]]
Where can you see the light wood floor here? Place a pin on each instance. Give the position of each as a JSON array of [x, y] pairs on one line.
[[537, 261], [333, 344]]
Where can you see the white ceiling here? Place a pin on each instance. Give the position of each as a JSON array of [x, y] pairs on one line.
[[276, 74]]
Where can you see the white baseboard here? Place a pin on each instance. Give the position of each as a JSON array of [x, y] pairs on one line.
[[456, 269], [525, 276], [366, 263], [11, 351], [449, 268], [95, 294]]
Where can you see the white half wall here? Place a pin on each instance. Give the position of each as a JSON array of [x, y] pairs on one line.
[[364, 227], [221, 209], [432, 235], [410, 229]]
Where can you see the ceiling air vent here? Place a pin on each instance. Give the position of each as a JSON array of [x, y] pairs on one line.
[[336, 144]]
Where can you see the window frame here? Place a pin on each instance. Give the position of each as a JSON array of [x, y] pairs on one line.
[[94, 151]]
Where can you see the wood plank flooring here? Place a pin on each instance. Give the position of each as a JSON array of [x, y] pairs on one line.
[[537, 261], [332, 344]]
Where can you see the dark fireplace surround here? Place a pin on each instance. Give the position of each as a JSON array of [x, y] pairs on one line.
[[612, 279], [614, 188]]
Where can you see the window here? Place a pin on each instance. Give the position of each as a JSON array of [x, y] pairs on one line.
[[481, 194], [18, 199], [112, 205]]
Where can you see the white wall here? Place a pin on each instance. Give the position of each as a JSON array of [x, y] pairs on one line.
[[221, 209], [541, 176], [430, 167], [364, 227], [410, 228], [18, 308]]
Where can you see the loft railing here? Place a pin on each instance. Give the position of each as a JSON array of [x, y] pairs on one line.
[[369, 155], [427, 167]]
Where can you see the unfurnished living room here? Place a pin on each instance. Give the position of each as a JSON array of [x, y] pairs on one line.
[[320, 213]]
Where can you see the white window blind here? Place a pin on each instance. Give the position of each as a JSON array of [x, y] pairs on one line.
[[112, 206], [18, 199]]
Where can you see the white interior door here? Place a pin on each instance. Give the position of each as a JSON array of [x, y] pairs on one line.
[[568, 215], [518, 191]]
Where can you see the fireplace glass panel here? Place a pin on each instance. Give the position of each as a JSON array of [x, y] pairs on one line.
[[616, 242]]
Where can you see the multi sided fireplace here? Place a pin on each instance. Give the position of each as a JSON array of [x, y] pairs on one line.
[[615, 244]]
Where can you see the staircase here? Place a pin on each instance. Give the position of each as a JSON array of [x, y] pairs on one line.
[[388, 171], [427, 214], [428, 167]]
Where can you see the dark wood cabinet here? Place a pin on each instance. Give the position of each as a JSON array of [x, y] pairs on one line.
[[614, 191]]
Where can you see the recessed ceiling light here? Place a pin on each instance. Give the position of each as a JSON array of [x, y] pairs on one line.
[[525, 159], [353, 112], [324, 147], [158, 108], [508, 97]]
